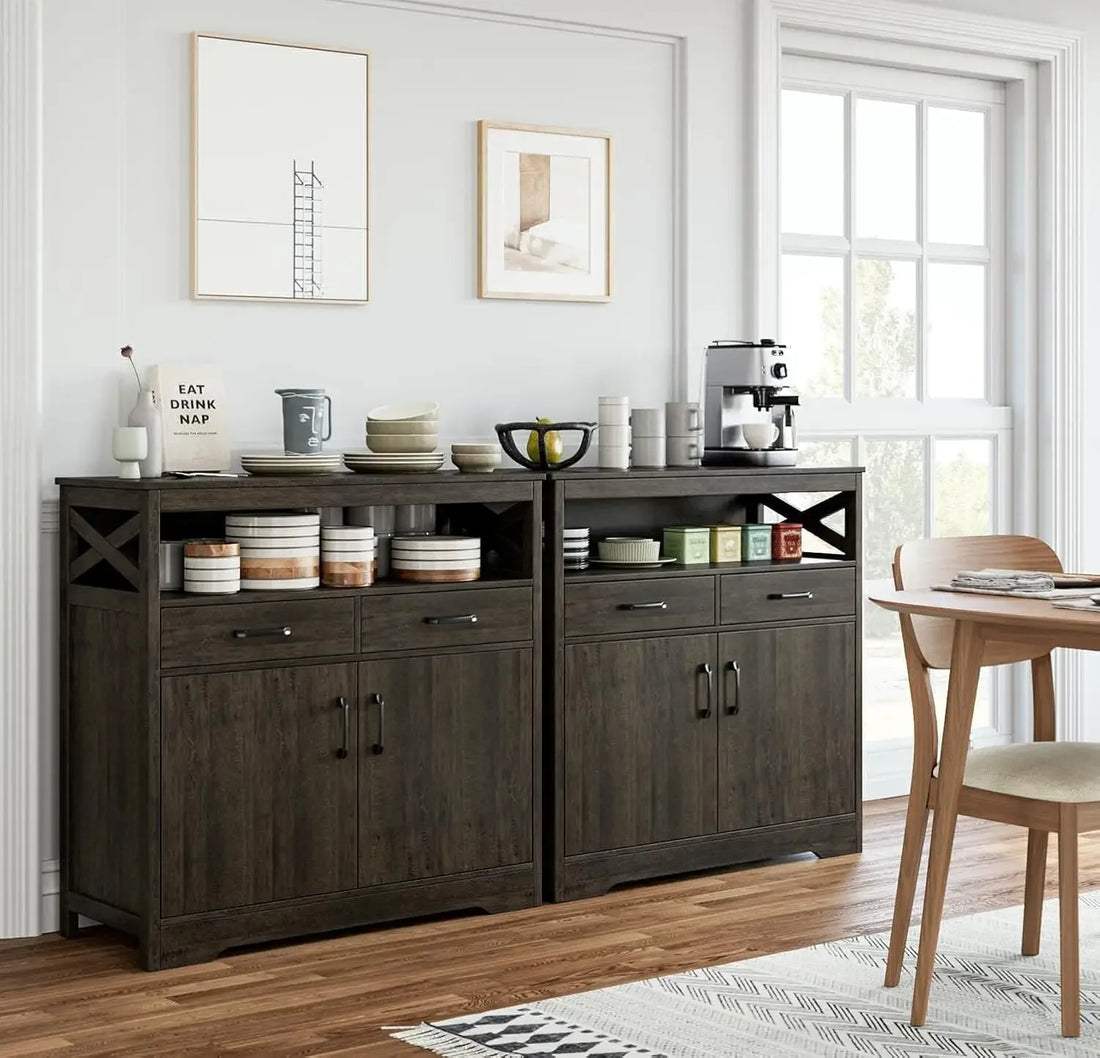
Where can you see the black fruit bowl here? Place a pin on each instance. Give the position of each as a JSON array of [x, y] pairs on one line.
[[505, 430]]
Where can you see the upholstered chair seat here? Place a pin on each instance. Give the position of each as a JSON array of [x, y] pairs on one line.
[[1043, 771]]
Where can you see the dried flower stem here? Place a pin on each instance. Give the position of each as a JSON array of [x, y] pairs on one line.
[[128, 353]]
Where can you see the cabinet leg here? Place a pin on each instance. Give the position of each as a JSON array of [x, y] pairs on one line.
[[69, 923], [839, 846]]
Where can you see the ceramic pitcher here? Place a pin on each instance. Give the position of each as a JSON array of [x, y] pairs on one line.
[[307, 420]]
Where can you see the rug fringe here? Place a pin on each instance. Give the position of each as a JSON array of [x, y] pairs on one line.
[[428, 1038]]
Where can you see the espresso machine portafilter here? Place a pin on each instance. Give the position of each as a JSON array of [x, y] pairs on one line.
[[748, 405]]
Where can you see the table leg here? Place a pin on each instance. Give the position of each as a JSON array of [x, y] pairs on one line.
[[966, 659]]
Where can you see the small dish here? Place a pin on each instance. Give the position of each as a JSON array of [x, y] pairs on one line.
[[629, 549], [656, 563]]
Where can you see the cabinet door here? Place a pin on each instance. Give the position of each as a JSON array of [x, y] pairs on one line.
[[640, 762], [787, 740], [256, 803], [451, 789]]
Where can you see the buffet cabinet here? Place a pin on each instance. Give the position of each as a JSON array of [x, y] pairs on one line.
[[701, 716], [225, 781]]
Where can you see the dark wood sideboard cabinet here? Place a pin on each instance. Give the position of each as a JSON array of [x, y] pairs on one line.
[[699, 716], [220, 789]]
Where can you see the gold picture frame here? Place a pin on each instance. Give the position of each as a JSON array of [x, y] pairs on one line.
[[535, 244], [242, 266]]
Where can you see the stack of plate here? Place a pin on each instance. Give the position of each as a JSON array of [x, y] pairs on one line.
[[435, 559], [347, 556], [372, 463], [279, 549], [211, 567], [270, 463], [575, 545]]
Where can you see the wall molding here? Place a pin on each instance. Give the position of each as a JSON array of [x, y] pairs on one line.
[[20, 462], [1060, 296]]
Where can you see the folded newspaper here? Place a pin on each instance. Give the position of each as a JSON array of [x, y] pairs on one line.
[[1023, 582]]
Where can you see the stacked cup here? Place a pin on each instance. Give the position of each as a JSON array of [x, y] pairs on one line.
[[279, 549], [575, 548], [614, 433], [647, 437], [347, 556], [683, 439], [211, 567]]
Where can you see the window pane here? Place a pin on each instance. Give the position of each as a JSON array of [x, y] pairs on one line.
[[812, 163], [885, 328], [886, 170], [956, 330], [983, 701], [962, 476], [956, 175], [837, 452], [893, 512], [813, 322]]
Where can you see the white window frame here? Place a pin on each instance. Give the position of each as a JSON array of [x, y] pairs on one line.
[[1044, 333]]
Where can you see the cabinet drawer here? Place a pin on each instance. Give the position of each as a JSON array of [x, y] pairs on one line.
[[211, 635], [785, 595], [638, 605], [445, 618]]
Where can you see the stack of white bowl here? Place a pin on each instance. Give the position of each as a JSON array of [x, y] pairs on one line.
[[614, 433], [476, 457], [436, 559], [279, 549], [211, 567], [403, 429], [347, 556], [647, 437], [575, 548]]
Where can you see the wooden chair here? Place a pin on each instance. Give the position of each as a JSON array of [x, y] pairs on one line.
[[1043, 785]]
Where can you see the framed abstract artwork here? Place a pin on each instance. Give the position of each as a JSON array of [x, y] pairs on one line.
[[544, 213], [279, 156]]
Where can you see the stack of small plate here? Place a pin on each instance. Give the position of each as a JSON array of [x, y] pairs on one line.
[[276, 463], [211, 567], [279, 549], [435, 559], [347, 556], [373, 463], [575, 546]]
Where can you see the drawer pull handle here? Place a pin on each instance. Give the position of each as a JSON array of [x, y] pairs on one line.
[[790, 595], [456, 619], [342, 702], [735, 706], [706, 670], [660, 604], [379, 746], [256, 633]]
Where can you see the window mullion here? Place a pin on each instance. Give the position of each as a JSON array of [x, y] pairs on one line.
[[849, 262], [922, 264]]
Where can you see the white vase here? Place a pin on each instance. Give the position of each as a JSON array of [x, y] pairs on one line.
[[145, 414]]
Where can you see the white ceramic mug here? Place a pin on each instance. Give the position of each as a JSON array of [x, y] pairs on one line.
[[615, 457], [682, 451], [613, 435], [647, 452], [614, 415], [760, 434], [648, 422], [683, 418]]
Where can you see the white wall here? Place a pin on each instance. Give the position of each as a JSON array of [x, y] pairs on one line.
[[666, 79]]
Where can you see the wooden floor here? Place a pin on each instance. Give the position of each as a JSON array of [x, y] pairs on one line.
[[331, 996]]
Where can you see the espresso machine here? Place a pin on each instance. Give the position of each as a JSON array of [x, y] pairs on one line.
[[748, 405]]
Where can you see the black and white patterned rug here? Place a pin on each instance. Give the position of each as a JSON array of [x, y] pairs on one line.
[[988, 1001]]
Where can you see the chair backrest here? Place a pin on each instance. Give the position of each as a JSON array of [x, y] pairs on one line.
[[922, 563]]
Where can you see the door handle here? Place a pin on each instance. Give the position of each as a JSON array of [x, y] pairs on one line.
[[457, 619], [790, 595], [660, 604], [342, 703], [256, 633], [380, 745], [735, 706], [705, 670]]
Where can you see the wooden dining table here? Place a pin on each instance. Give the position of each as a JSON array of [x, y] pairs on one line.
[[978, 620]]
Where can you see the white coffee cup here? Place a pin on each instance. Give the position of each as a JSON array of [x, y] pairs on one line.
[[647, 452], [682, 451], [760, 434], [613, 435], [683, 418], [615, 457], [614, 415], [648, 422]]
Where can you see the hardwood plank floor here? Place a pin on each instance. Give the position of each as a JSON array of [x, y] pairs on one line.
[[330, 997]]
